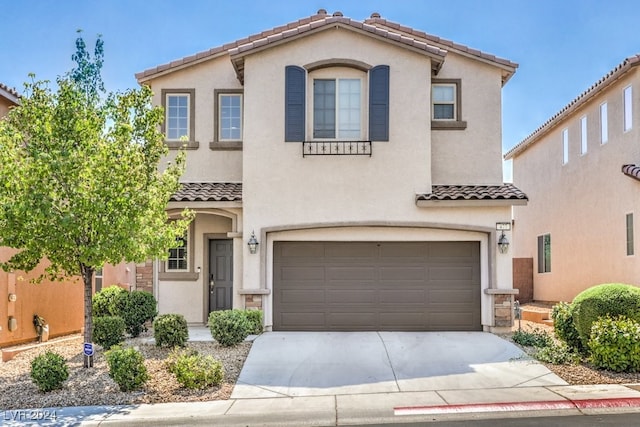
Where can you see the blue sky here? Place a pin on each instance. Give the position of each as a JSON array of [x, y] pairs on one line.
[[562, 46]]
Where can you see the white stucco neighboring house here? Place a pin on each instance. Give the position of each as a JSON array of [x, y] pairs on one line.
[[364, 159], [581, 171]]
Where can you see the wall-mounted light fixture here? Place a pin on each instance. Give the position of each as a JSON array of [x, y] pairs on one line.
[[253, 243], [198, 270], [503, 242]]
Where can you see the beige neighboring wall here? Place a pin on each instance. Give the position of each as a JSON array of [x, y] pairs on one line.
[[582, 204]]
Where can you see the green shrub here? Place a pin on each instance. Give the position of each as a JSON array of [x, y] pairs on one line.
[[137, 308], [193, 370], [176, 354], [614, 299], [108, 330], [126, 367], [255, 318], [535, 338], [564, 327], [49, 371], [229, 327], [170, 330], [615, 344], [107, 301], [557, 354]]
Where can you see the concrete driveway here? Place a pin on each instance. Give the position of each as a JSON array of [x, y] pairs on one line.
[[334, 363]]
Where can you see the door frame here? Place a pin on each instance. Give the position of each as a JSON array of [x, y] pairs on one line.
[[204, 277]]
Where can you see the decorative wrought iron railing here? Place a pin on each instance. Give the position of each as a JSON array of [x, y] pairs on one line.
[[336, 148]]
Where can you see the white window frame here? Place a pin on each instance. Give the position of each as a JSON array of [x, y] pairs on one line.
[[544, 267], [177, 257], [188, 117], [220, 112], [583, 135], [453, 103], [565, 146], [628, 108], [604, 123], [339, 73]]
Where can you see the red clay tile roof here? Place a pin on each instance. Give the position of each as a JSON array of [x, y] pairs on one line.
[[374, 25], [510, 67], [631, 170], [9, 93], [473, 192], [582, 99], [208, 192]]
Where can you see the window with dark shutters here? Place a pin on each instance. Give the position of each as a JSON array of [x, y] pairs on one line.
[[294, 122], [379, 103]]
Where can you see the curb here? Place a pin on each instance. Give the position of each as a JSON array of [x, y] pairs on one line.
[[624, 402]]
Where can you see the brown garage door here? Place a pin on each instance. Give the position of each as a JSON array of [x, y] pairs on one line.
[[383, 286]]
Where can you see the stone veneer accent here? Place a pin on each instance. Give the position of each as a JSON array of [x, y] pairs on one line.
[[144, 276], [503, 300], [253, 302]]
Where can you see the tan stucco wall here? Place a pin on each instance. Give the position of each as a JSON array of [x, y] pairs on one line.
[[582, 203], [5, 104], [204, 164]]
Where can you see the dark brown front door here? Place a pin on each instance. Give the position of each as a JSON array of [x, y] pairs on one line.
[[220, 274], [376, 286]]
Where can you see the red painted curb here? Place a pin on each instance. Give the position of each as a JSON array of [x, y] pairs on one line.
[[623, 402]]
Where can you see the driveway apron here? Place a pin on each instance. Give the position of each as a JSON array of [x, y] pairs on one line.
[[335, 363]]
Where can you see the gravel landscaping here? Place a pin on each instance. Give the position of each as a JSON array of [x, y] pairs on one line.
[[95, 387]]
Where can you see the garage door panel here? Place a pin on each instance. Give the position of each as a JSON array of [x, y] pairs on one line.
[[394, 286], [351, 297], [293, 296], [301, 273]]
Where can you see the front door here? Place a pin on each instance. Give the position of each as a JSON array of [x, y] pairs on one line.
[[220, 274]]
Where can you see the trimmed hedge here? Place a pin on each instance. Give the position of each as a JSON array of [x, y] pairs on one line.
[[171, 330], [615, 344], [137, 307], [613, 299], [564, 327], [193, 370], [108, 331], [230, 327], [107, 301], [49, 371], [126, 367]]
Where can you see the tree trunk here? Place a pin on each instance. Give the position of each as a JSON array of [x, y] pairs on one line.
[[87, 278]]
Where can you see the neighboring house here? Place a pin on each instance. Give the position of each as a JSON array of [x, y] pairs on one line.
[[59, 303], [581, 171], [363, 159]]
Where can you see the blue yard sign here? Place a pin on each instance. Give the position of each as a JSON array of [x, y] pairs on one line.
[[88, 349]]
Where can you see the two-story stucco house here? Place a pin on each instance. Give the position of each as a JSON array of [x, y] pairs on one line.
[[580, 171], [363, 158]]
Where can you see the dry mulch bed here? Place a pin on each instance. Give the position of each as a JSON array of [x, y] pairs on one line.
[[95, 387]]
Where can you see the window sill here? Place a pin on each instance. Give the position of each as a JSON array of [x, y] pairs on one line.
[[448, 125], [225, 145], [179, 276], [188, 145]]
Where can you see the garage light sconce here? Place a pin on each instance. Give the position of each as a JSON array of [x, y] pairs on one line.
[[503, 242], [253, 243]]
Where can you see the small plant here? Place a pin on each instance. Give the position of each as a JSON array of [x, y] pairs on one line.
[[107, 301], [615, 344], [535, 338], [126, 367], [557, 354], [108, 330], [137, 307], [193, 370], [229, 327], [564, 327], [49, 371], [177, 353], [255, 318], [170, 330]]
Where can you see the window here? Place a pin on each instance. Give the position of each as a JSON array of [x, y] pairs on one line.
[[565, 146], [630, 245], [604, 127], [337, 108], [583, 135], [446, 104], [178, 257], [544, 253], [228, 120], [98, 280], [628, 109], [178, 125]]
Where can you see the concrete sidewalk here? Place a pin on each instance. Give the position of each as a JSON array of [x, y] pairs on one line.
[[332, 410]]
